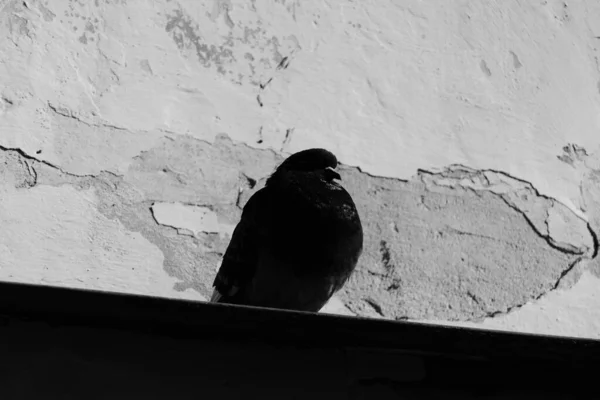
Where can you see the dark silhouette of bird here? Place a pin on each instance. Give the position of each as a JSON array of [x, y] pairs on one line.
[[298, 240]]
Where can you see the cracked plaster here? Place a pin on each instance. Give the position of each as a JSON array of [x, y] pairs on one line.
[[424, 257], [189, 219], [130, 138]]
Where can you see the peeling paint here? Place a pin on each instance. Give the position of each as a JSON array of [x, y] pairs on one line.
[[156, 123], [552, 220], [86, 148], [568, 231], [194, 171], [458, 253], [16, 171], [573, 313], [41, 223], [193, 219], [573, 153], [445, 250]]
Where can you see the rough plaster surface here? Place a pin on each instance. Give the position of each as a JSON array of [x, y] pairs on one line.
[[132, 133], [58, 236], [450, 253], [190, 219], [573, 312]]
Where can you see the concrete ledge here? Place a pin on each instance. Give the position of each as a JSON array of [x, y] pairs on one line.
[[234, 350]]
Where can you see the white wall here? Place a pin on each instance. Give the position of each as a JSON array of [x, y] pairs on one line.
[[469, 131]]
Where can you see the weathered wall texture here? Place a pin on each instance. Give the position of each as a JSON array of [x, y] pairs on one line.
[[132, 132]]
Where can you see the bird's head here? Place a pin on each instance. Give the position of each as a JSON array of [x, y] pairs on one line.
[[311, 160]]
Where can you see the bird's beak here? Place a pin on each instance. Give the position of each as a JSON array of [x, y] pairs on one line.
[[332, 173]]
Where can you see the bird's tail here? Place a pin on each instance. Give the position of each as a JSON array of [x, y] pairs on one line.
[[216, 296]]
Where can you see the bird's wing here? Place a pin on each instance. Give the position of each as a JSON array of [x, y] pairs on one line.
[[239, 262]]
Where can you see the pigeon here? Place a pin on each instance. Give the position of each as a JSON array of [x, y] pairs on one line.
[[298, 241]]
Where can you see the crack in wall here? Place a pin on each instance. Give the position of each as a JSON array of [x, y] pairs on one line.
[[233, 190], [385, 255], [595, 241], [28, 157], [426, 287], [67, 113], [151, 209], [50, 165], [463, 284], [564, 274], [466, 233], [458, 172], [551, 242], [375, 306]]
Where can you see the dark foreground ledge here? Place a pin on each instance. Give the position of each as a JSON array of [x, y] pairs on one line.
[[66, 343]]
